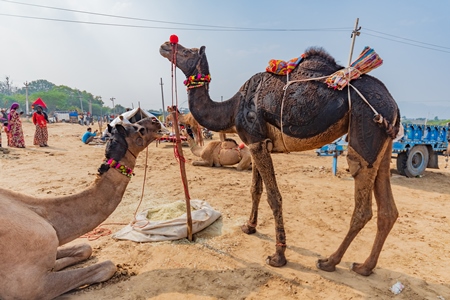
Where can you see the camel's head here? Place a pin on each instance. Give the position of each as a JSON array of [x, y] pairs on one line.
[[130, 139], [188, 60]]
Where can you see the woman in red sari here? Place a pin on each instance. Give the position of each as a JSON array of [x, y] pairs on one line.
[[15, 132], [40, 119]]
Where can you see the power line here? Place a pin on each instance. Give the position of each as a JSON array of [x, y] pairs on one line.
[[401, 42], [172, 28], [406, 39], [229, 28], [206, 27]]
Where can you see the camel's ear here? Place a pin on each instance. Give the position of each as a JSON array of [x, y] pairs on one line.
[[120, 129], [202, 50], [110, 128]]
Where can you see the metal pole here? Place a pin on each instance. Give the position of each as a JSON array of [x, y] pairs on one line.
[[114, 108], [26, 96], [81, 101], [355, 33], [162, 95]]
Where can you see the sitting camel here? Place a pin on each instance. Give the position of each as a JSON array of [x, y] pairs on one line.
[[33, 229], [220, 153], [187, 119]]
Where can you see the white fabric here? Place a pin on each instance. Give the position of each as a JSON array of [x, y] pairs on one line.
[[129, 114], [145, 230]]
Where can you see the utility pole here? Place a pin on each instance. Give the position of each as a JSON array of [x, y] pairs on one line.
[[81, 102], [26, 96], [114, 108], [355, 33], [101, 108], [163, 107]]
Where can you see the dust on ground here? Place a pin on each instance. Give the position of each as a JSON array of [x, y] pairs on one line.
[[224, 263]]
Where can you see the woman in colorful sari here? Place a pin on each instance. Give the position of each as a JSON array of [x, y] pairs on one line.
[[15, 127], [40, 120]]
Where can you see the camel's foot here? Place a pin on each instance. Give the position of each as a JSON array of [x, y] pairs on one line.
[[326, 264], [246, 228], [278, 259], [105, 270], [360, 269]]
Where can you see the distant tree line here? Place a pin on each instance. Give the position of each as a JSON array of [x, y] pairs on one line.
[[57, 97]]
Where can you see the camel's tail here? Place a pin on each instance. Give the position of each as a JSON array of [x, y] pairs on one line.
[[391, 130]]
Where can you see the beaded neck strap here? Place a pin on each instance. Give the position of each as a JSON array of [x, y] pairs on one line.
[[196, 81], [121, 168]]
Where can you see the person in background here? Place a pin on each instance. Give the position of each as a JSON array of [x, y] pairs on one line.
[[88, 136], [4, 115], [15, 131], [3, 120], [40, 120]]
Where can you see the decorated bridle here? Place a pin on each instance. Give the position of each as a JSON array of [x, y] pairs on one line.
[[112, 163], [194, 80]]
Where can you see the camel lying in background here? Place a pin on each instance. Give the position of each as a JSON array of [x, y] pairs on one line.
[[220, 153], [187, 119], [32, 229]]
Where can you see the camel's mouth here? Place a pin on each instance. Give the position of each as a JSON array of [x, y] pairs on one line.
[[166, 50]]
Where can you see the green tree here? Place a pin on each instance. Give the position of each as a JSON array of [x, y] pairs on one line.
[[35, 86]]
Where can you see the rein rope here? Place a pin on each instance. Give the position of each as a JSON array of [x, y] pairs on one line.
[[178, 156]]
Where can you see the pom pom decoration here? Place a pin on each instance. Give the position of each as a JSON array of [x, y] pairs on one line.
[[173, 39]]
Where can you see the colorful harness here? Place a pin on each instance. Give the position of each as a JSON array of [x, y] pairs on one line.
[[196, 81], [121, 168]]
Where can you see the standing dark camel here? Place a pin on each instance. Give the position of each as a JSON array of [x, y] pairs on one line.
[[311, 115]]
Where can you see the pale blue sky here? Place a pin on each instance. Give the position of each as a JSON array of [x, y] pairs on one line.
[[412, 37]]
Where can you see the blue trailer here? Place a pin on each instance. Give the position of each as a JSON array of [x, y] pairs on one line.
[[335, 149], [418, 149]]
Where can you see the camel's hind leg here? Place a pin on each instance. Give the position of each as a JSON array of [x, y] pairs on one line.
[[263, 163], [364, 183], [58, 283], [70, 255], [386, 216]]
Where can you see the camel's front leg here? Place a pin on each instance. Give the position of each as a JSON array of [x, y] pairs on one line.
[[364, 182], [245, 163], [70, 255], [263, 163], [386, 216], [256, 191]]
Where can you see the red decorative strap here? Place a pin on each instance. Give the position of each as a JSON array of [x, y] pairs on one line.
[[121, 168], [198, 80]]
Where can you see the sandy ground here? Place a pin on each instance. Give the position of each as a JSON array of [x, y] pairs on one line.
[[224, 263]]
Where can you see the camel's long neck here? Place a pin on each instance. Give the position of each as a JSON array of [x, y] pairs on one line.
[[216, 116], [77, 214], [195, 149]]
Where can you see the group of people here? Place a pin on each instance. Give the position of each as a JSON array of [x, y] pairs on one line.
[[12, 126]]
